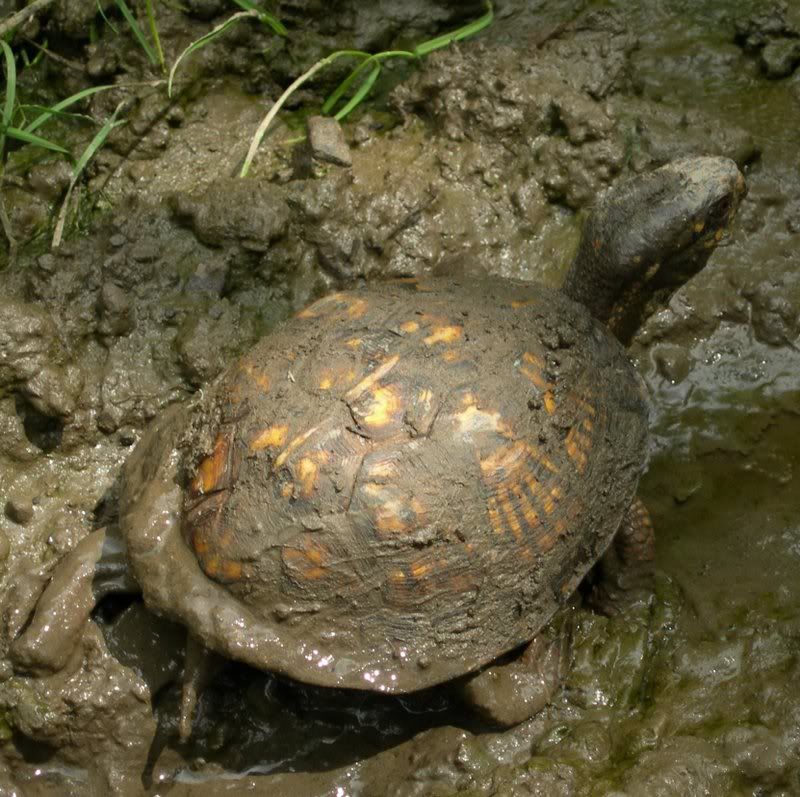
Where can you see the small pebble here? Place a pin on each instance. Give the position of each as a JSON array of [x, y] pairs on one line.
[[327, 142], [18, 510]]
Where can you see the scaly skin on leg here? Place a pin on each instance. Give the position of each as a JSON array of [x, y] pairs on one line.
[[626, 569]]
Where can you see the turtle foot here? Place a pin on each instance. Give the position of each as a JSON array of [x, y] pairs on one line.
[[511, 693], [626, 569]]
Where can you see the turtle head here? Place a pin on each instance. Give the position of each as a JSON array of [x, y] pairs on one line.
[[646, 237]]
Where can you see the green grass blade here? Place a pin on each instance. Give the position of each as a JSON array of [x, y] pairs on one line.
[[94, 145], [362, 92], [151, 19], [137, 31], [203, 40], [264, 16], [36, 141], [44, 110], [339, 91], [11, 93], [464, 32], [105, 18], [344, 86], [59, 106], [99, 139]]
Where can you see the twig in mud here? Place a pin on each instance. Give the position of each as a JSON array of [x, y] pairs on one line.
[[55, 56], [15, 20]]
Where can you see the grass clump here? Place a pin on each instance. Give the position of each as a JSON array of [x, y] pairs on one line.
[[367, 71]]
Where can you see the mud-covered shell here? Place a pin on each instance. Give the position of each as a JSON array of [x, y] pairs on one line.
[[395, 487]]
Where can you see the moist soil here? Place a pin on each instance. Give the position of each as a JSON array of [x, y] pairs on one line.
[[478, 161]]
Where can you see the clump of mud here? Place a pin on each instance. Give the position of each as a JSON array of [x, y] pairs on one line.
[[481, 161]]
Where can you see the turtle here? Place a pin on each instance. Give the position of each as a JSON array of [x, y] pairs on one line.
[[405, 481]]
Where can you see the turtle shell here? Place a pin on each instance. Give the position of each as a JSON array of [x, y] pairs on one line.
[[395, 487]]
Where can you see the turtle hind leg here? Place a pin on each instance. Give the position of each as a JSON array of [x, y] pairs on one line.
[[625, 573], [510, 693]]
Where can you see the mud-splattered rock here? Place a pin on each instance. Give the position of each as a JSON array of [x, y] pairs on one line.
[[62, 611], [115, 310], [50, 180], [97, 715], [19, 510], [326, 141], [252, 213]]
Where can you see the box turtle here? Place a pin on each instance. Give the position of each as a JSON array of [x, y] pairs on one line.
[[404, 482]]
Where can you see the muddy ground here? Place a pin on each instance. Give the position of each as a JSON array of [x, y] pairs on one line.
[[479, 160]]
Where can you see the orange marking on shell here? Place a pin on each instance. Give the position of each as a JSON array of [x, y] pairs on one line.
[[309, 559], [409, 326], [272, 437], [293, 446], [210, 565], [212, 468], [528, 511], [232, 570], [533, 359], [419, 570], [369, 381], [372, 489], [549, 402], [551, 500], [699, 226], [353, 343], [287, 490], [718, 235], [451, 356], [444, 334], [325, 383], [357, 307], [389, 519], [510, 513], [307, 473], [472, 420], [386, 405], [517, 303], [312, 311]]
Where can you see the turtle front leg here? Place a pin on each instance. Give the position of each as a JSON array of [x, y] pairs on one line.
[[511, 693], [626, 569]]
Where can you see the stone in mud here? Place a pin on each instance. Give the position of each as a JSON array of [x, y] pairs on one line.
[[97, 715], [19, 510], [33, 360], [115, 310], [326, 141], [53, 634], [775, 320], [780, 58], [50, 180]]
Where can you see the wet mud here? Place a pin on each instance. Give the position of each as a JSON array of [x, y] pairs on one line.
[[481, 161]]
